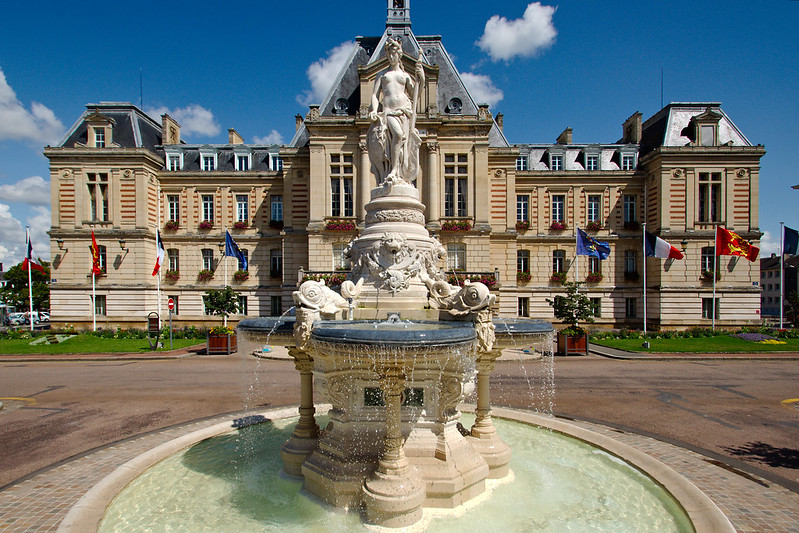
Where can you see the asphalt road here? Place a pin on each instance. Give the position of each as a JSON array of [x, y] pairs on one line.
[[731, 409]]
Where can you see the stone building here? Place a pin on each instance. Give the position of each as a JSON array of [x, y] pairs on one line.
[[506, 213]]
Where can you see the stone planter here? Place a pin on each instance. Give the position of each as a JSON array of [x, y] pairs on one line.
[[572, 345], [221, 344]]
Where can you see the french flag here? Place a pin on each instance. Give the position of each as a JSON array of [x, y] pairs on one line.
[[30, 261], [657, 247], [159, 258]]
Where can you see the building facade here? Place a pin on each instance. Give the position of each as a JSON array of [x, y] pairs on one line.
[[506, 213]]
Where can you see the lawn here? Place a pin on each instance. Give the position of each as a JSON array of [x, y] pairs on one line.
[[88, 344], [718, 344]]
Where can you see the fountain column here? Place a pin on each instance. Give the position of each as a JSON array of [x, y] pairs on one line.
[[394, 493], [306, 433], [484, 435]]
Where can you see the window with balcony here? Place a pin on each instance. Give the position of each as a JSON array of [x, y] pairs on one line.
[[559, 208], [208, 207], [456, 173], [173, 206], [174, 259], [594, 208], [594, 265], [522, 207], [242, 208], [558, 261]]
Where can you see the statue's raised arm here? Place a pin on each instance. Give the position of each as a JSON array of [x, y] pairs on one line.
[[392, 138]]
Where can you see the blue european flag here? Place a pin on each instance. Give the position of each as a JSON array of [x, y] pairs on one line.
[[586, 245], [232, 250]]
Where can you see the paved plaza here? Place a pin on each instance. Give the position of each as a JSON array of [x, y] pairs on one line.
[[71, 423]]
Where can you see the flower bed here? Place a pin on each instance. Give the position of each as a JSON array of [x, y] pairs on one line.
[[456, 225], [205, 275], [340, 225]]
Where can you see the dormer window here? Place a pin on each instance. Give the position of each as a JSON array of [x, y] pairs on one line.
[[242, 161], [555, 160], [627, 161], [703, 129], [275, 162], [208, 161], [174, 160], [521, 163], [592, 162], [99, 130], [99, 137], [707, 135]]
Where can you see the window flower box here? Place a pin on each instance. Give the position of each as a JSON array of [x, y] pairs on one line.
[[632, 225], [707, 275], [631, 276], [456, 225], [489, 280], [241, 224], [522, 276], [331, 280], [593, 226], [241, 276], [205, 275], [557, 226], [171, 225], [559, 278], [276, 224], [593, 277], [340, 225], [206, 225], [172, 275], [522, 225]]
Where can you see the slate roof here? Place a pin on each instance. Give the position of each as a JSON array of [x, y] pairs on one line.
[[132, 127]]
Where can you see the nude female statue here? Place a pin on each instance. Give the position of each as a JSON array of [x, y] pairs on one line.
[[392, 138]]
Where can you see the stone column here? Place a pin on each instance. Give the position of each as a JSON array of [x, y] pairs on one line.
[[433, 188], [484, 435], [306, 434], [364, 181], [394, 493]]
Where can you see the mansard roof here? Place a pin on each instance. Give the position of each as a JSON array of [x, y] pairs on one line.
[[132, 127], [671, 126]]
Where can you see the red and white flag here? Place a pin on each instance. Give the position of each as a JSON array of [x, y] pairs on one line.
[[30, 260], [159, 260]]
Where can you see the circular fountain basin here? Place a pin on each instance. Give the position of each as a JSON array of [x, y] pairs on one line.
[[232, 482], [394, 333], [512, 332], [275, 330]]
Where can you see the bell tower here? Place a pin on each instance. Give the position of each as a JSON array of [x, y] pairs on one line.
[[399, 14]]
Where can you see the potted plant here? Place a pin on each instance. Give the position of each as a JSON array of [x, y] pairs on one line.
[[707, 275], [571, 310], [522, 225], [340, 225], [221, 302]]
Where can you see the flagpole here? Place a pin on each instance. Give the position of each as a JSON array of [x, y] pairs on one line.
[[643, 244], [715, 267], [782, 269], [576, 261], [158, 278], [30, 277], [224, 260]]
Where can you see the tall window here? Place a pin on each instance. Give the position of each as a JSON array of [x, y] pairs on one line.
[[173, 201], [558, 261], [630, 262], [523, 306], [709, 197], [208, 162], [522, 207], [242, 305], [208, 259], [521, 163], [629, 208], [708, 258], [456, 172], [208, 207], [99, 305], [629, 308], [276, 262], [594, 208], [242, 208], [456, 256], [275, 305], [98, 197], [558, 208], [523, 260], [708, 307], [341, 200], [277, 208], [245, 255], [594, 265], [340, 260], [99, 137], [174, 259], [592, 162], [101, 250], [556, 162], [595, 305]]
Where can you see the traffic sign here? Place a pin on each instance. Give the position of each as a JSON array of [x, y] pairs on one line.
[[170, 304]]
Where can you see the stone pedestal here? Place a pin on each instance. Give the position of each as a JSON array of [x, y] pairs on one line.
[[306, 433], [484, 436]]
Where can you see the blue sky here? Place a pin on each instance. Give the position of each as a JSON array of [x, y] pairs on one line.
[[253, 65]]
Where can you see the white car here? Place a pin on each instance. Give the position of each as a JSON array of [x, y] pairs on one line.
[[17, 319], [44, 316]]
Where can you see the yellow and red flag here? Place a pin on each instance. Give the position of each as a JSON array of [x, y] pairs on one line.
[[730, 243], [96, 269]]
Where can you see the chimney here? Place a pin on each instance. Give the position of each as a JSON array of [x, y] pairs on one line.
[[170, 130], [233, 137], [297, 122], [565, 137], [501, 122], [631, 129]]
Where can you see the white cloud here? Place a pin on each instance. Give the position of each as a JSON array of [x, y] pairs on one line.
[[193, 119], [769, 245], [504, 39], [34, 191], [274, 137], [482, 89], [322, 73], [38, 125], [12, 235]]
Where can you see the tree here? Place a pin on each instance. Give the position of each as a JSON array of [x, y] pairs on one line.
[[792, 308], [572, 308], [16, 290], [222, 302]]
